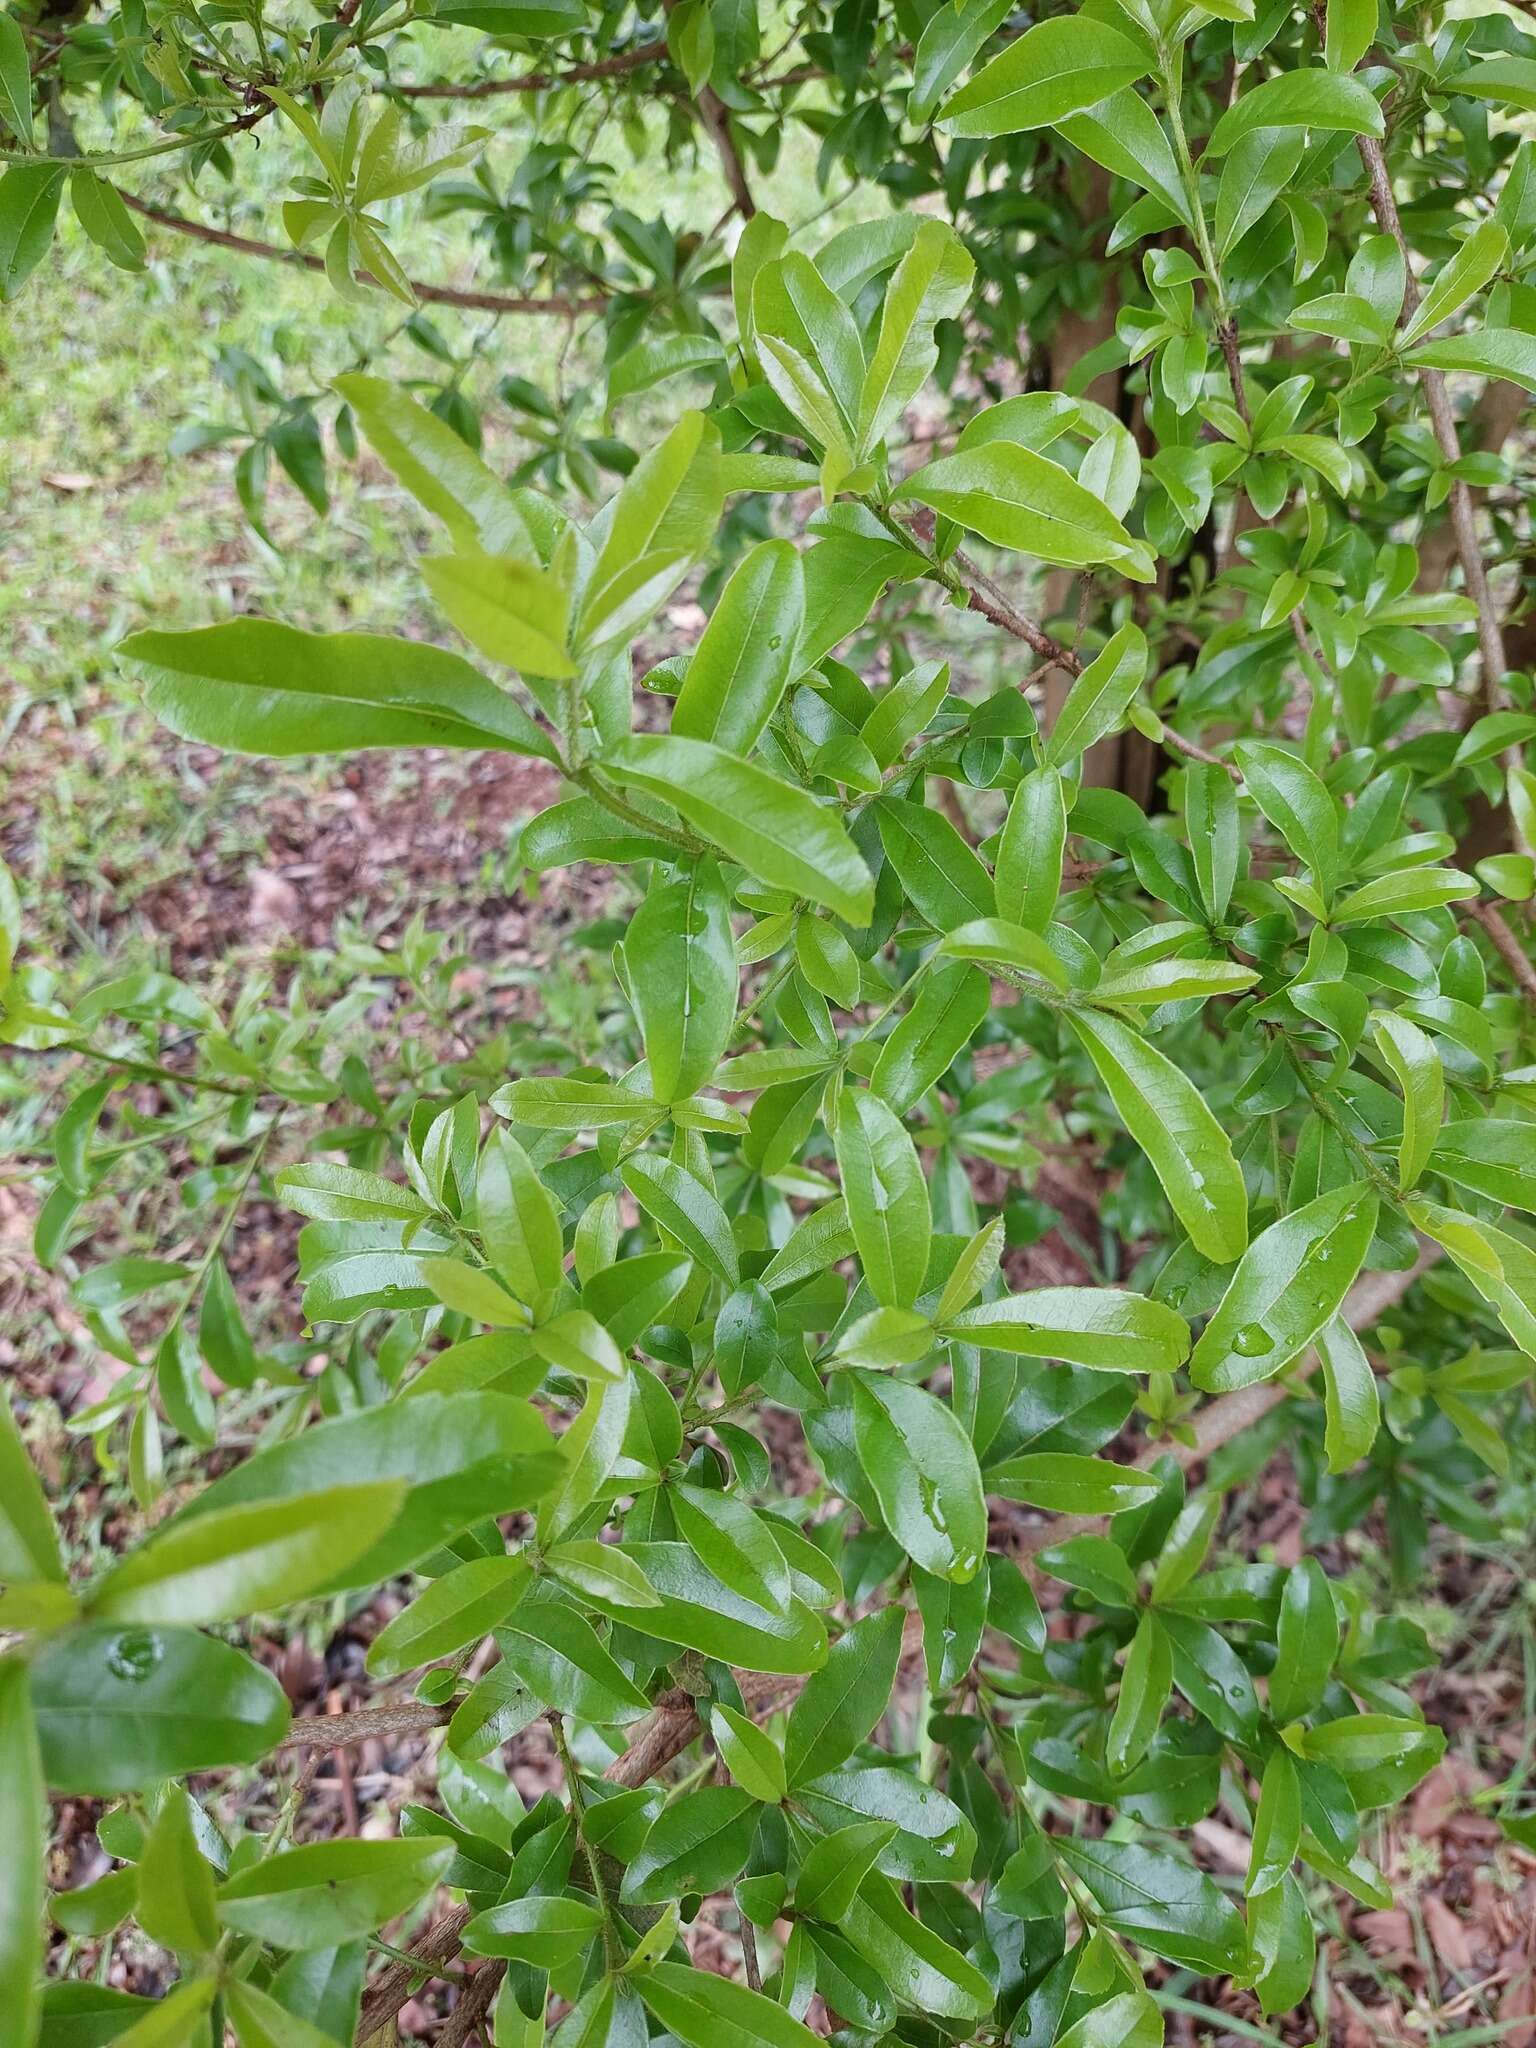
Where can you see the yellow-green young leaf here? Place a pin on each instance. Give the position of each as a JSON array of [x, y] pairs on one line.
[[887, 1198], [513, 611], [474, 1291], [1027, 876], [659, 524], [998, 943], [441, 472], [23, 1824], [1492, 1155], [951, 38], [176, 1885], [779, 833], [1173, 980], [1174, 1125], [1045, 74], [923, 1469], [246, 1560], [1146, 1679], [1286, 1291], [577, 1343], [1026, 502], [1097, 702], [747, 653], [330, 1892], [932, 283], [262, 688], [1130, 2019], [461, 1607], [1413, 1061], [680, 961], [827, 961], [973, 1271], [590, 1450]]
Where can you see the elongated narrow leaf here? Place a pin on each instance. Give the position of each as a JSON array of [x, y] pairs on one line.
[[1173, 1124], [923, 1469], [1045, 74], [887, 1198], [1024, 501], [747, 654]]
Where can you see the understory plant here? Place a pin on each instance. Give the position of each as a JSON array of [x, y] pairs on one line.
[[1122, 771]]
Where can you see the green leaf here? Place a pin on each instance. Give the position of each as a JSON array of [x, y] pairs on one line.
[[951, 37], [23, 1825], [29, 204], [1306, 1643], [1401, 894], [1494, 1156], [1027, 876], [932, 1840], [1282, 1942], [997, 943], [918, 1965], [1130, 2019], [752, 1757], [1024, 501], [686, 1212], [932, 283], [733, 1543], [1048, 72], [1350, 32], [1101, 1327], [698, 1844], [835, 1867], [258, 687], [1067, 1484], [543, 1932], [518, 1221], [923, 1470], [1159, 1903], [942, 877], [1483, 252], [1286, 1290], [1326, 100], [1490, 352], [103, 213], [657, 527], [778, 832], [680, 956], [704, 2010], [577, 1343], [950, 1007], [1276, 1824], [176, 1887], [437, 467], [651, 363], [461, 1607], [176, 2020], [1173, 1124], [841, 1702], [330, 1892], [459, 1457], [1146, 1679], [119, 1709], [702, 1613], [1122, 133], [15, 107], [1296, 804], [747, 655], [562, 1105], [260, 2022], [1412, 1059], [238, 1561], [1351, 1403], [1099, 698], [29, 1545], [513, 611], [887, 1197]]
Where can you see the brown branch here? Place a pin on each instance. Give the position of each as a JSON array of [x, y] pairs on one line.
[[540, 81], [391, 1989], [1504, 943], [341, 1731], [717, 125], [433, 294], [474, 2003]]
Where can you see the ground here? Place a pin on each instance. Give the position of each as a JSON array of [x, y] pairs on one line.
[[132, 849]]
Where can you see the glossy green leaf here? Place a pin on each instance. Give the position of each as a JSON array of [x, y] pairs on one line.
[[330, 1892], [24, 1820], [1023, 501], [887, 1198], [1050, 71], [923, 1470], [746, 656]]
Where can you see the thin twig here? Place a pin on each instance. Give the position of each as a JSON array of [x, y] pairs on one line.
[[540, 81], [434, 294], [342, 1731], [1504, 943]]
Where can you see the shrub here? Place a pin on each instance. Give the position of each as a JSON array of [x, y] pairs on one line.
[[893, 939]]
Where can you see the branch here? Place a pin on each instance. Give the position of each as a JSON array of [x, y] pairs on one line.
[[341, 1731], [401, 1981], [433, 294], [539, 81], [1504, 943], [474, 2002], [717, 124]]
